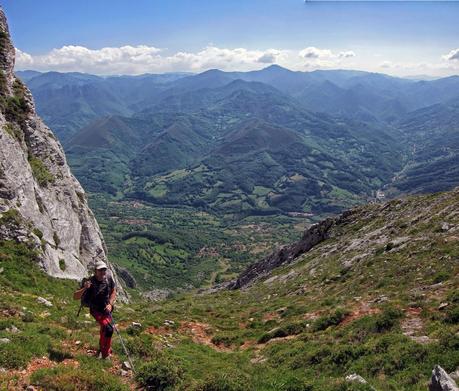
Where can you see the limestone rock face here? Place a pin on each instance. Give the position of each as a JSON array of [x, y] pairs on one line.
[[441, 381], [41, 202], [285, 255]]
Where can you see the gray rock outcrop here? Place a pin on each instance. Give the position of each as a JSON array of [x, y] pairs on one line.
[[41, 202], [127, 277], [441, 381], [284, 255]]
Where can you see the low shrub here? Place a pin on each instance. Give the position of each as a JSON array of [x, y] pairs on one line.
[[134, 330], [334, 319], [40, 171], [142, 346], [57, 354], [387, 320], [452, 314], [284, 331], [440, 277], [62, 378], [226, 339], [224, 382], [22, 348], [160, 374]]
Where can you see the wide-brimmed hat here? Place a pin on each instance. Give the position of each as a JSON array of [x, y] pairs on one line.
[[100, 265]]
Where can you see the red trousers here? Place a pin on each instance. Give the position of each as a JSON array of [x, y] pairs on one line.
[[106, 331]]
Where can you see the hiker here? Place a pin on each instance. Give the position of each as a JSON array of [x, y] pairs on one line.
[[100, 294]]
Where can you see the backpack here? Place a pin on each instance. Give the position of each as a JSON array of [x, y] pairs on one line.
[[85, 297]]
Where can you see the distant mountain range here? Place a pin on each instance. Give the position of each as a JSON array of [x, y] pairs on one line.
[[265, 141]]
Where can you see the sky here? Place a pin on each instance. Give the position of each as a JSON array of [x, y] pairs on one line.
[[105, 37]]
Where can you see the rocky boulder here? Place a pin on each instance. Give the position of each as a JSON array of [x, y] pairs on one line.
[[441, 381]]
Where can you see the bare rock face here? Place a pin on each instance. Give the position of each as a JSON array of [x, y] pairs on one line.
[[283, 256], [41, 202], [441, 381]]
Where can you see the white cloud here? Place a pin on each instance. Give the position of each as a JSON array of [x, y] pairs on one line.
[[313, 52], [438, 69], [452, 55], [131, 60], [79, 58], [387, 64], [225, 59], [23, 59], [271, 56], [316, 58], [144, 59], [347, 54]]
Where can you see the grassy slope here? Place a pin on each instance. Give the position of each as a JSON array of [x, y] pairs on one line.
[[362, 301]]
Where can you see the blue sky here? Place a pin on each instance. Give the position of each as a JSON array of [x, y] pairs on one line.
[[114, 37]]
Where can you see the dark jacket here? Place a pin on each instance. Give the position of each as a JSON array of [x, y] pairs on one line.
[[99, 292]]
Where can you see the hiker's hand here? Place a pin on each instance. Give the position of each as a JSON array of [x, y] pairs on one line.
[[87, 284], [108, 307]]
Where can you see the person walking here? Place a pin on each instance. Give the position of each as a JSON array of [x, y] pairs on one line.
[[100, 294]]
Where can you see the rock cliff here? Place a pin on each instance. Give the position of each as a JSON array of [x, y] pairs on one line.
[[41, 202]]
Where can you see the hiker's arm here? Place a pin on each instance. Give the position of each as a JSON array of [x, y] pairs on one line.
[[112, 297], [77, 294], [111, 300]]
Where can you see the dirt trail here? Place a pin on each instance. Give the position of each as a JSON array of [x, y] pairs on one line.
[[116, 361], [412, 326], [20, 378], [23, 376], [201, 333]]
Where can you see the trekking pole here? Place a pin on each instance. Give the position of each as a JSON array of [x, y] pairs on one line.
[[122, 343]]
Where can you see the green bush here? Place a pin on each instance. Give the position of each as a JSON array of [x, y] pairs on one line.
[[159, 374], [387, 320], [38, 233], [56, 239], [13, 358], [14, 131], [295, 384], [324, 322], [22, 348], [311, 356], [61, 378], [226, 339], [441, 276], [62, 264], [224, 382], [11, 216], [57, 354], [28, 317], [453, 297], [142, 346], [5, 323], [284, 331], [40, 171], [348, 386], [449, 341], [452, 314], [342, 355], [134, 330]]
